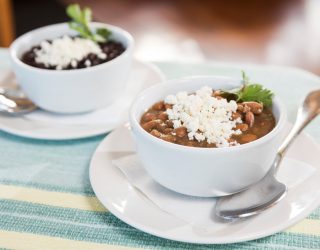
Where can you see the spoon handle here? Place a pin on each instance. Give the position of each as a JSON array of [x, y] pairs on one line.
[[306, 113]]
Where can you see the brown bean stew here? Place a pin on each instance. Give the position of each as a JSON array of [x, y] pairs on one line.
[[257, 121]]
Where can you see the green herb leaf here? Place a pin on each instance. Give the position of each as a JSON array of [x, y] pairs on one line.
[[245, 77], [74, 12], [80, 29], [103, 32], [257, 93], [249, 92], [80, 22], [86, 15]]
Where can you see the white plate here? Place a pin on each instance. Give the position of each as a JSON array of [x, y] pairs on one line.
[[300, 171], [45, 125]]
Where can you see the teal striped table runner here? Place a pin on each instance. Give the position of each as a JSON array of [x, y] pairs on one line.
[[46, 201]]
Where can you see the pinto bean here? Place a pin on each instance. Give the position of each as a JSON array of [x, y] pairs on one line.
[[168, 131], [255, 107], [246, 109], [148, 126], [158, 105], [249, 118], [236, 115], [169, 123], [240, 107], [167, 106], [181, 131], [148, 117], [161, 127], [243, 108], [163, 116], [169, 138], [243, 127], [155, 133]]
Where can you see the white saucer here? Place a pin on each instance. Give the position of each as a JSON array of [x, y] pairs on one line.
[[300, 171], [41, 124]]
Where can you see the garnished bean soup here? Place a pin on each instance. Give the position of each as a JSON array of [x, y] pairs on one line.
[[206, 119]]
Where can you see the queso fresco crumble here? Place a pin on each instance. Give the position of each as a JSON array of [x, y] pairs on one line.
[[67, 53], [206, 119], [66, 50]]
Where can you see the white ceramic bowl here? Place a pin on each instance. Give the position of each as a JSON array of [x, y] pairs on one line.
[[205, 172], [71, 91]]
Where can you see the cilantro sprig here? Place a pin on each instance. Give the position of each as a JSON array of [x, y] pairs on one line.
[[80, 20], [250, 92]]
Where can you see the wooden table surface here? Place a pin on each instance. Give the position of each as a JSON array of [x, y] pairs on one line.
[[284, 32]]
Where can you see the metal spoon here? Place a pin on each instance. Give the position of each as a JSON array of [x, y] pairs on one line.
[[269, 191], [13, 102]]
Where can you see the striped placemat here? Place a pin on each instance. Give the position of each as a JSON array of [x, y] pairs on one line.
[[33, 218], [46, 201]]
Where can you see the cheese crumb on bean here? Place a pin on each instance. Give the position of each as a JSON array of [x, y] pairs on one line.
[[205, 117]]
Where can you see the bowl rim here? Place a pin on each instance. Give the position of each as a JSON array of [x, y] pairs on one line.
[[16, 44], [136, 124]]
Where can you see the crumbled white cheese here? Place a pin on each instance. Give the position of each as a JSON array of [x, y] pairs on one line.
[[87, 63], [74, 63], [66, 50], [102, 56], [204, 116]]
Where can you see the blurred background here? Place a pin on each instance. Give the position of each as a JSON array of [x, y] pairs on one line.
[[283, 32]]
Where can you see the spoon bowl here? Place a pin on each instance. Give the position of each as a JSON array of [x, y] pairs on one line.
[[13, 102], [263, 195]]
